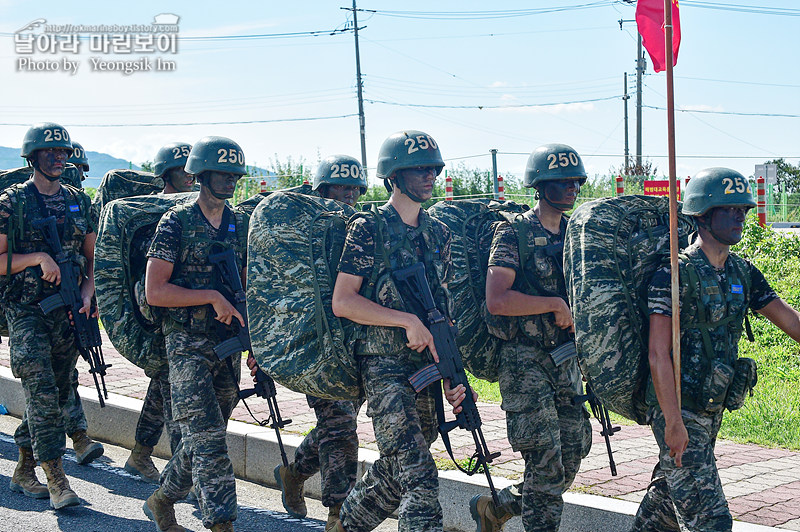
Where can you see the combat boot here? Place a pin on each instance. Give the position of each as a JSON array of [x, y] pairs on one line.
[[337, 527], [61, 495], [141, 464], [24, 479], [161, 511], [227, 526], [290, 482], [333, 516], [488, 517], [85, 448]]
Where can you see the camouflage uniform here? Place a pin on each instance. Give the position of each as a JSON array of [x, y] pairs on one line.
[[74, 417], [695, 490], [551, 432], [43, 351], [405, 477], [204, 391]]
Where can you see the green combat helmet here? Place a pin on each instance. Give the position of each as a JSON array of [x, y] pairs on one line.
[[716, 187], [340, 170], [171, 156], [79, 158], [216, 154], [407, 149], [43, 136], [553, 162]]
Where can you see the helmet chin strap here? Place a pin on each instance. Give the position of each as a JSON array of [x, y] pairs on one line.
[[563, 207], [702, 222], [35, 166], [401, 184], [213, 192]]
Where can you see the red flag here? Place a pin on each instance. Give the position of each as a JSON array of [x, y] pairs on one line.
[[650, 20]]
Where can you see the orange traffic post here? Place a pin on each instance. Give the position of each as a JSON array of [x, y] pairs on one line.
[[501, 194], [620, 186], [448, 187], [263, 185], [762, 202]]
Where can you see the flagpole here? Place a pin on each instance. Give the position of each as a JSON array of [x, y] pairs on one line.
[[673, 204]]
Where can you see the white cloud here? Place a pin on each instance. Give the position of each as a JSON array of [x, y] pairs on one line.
[[499, 84]]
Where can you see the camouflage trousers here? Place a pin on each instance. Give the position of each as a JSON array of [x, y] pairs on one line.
[[157, 413], [43, 357], [551, 432], [405, 477], [689, 497], [331, 448], [74, 417], [204, 394]]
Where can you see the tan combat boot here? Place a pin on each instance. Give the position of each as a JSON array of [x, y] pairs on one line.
[[488, 517], [85, 448], [333, 516], [161, 511], [290, 483], [227, 526], [61, 495], [24, 479], [141, 464]]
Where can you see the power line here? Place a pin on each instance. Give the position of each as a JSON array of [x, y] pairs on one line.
[[758, 10], [481, 107], [757, 157], [734, 113], [484, 15], [228, 122]]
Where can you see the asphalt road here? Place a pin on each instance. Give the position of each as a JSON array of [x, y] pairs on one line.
[[112, 499]]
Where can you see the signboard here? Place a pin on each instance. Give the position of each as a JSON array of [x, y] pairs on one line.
[[659, 187], [768, 171]]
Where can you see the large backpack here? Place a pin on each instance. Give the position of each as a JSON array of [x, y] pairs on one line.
[[118, 184], [250, 204], [126, 226], [20, 175], [612, 249], [471, 224], [294, 247]]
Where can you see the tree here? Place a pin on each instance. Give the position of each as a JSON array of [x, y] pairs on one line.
[[291, 173], [636, 173], [788, 174], [146, 166]]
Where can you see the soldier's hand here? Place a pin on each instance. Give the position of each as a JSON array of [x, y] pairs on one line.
[[225, 312], [677, 439], [252, 364], [455, 396], [563, 316], [50, 271], [419, 337]]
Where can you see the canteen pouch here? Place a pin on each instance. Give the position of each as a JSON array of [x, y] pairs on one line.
[[744, 380], [715, 388]]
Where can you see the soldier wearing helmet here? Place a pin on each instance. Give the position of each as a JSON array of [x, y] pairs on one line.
[[525, 283], [395, 343], [332, 446], [43, 350], [180, 277], [716, 289], [157, 406], [81, 163]]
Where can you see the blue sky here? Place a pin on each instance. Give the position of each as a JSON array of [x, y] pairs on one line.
[[730, 62]]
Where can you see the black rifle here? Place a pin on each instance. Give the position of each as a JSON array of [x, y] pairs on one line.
[[232, 289], [86, 330], [449, 367], [601, 413]]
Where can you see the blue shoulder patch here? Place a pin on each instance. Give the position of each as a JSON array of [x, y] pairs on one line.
[[74, 208], [231, 228], [736, 289]]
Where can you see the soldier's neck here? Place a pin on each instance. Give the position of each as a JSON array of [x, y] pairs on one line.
[[407, 208], [716, 252], [44, 185], [212, 207], [549, 216]]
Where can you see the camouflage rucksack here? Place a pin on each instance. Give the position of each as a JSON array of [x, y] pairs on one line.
[[250, 204], [471, 225], [126, 228], [125, 184], [294, 247], [70, 176], [612, 249]]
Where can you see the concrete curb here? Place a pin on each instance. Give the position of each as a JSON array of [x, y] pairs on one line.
[[254, 453]]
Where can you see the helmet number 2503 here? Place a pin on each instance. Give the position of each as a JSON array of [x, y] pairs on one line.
[[563, 159], [734, 185], [424, 142]]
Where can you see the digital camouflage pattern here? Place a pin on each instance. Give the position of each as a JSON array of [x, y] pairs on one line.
[[126, 227], [157, 414], [294, 247], [204, 395], [404, 478], [74, 416], [694, 490], [70, 176], [249, 205], [613, 246], [331, 448], [117, 184], [552, 433], [471, 224], [43, 356]]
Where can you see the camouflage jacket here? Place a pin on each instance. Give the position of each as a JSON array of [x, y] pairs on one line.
[[378, 243], [20, 206], [185, 238], [713, 306], [536, 256]]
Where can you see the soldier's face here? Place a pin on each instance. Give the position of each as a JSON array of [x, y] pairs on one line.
[[419, 181], [222, 184], [563, 191], [51, 161], [181, 181], [345, 193], [727, 224]]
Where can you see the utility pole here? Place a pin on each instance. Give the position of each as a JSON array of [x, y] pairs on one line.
[[640, 66], [494, 174], [625, 99], [360, 94]]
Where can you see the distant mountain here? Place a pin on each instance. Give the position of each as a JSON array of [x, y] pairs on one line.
[[100, 163]]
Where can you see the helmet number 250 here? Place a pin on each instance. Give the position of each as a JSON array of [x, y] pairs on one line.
[[563, 159], [345, 171], [181, 152], [51, 135], [230, 155], [424, 142]]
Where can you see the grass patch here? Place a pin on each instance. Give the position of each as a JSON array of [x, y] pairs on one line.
[[445, 464]]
